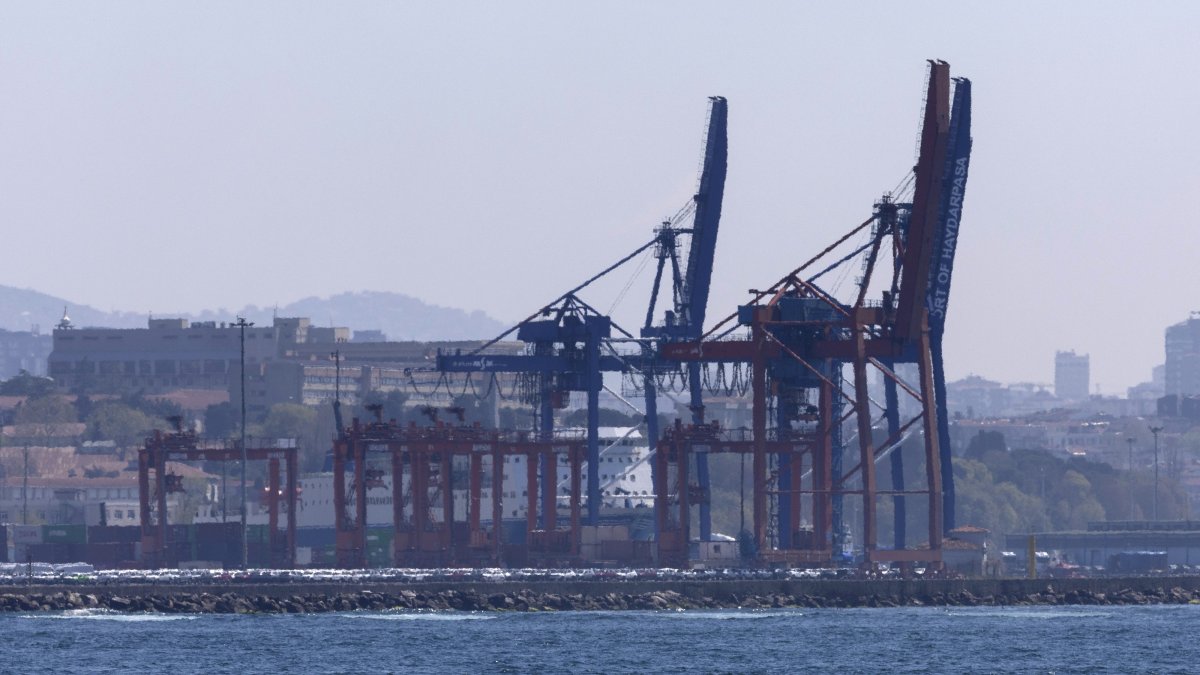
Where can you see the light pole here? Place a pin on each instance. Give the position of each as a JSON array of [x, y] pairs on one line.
[[243, 325], [1155, 430], [1130, 477]]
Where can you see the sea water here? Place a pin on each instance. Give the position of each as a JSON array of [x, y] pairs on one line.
[[1159, 639]]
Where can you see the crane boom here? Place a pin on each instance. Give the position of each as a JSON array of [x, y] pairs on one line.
[[708, 200], [914, 280], [954, 187]]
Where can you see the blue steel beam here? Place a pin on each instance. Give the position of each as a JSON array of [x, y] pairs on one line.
[[519, 363], [703, 248]]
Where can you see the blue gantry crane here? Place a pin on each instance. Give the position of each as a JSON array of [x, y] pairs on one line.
[[689, 290], [567, 340], [564, 353]]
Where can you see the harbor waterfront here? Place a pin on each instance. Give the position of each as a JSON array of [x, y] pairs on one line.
[[559, 595]]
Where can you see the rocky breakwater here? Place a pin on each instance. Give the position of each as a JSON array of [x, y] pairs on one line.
[[527, 600]]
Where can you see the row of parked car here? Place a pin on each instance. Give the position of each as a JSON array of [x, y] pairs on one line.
[[84, 573]]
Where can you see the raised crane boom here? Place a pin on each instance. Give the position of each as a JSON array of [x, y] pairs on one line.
[[690, 289], [914, 280], [954, 187], [696, 282]]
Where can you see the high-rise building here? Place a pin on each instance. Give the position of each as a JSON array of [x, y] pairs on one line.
[[1181, 372], [1071, 376]]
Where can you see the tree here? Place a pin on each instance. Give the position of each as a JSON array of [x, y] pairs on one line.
[[394, 406], [25, 384], [120, 423], [48, 410], [154, 407], [220, 420], [983, 442], [292, 420], [84, 405]]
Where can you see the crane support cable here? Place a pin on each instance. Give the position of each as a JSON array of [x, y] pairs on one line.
[[569, 293], [758, 295]]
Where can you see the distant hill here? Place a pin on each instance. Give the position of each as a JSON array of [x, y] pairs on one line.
[[23, 309], [399, 316]]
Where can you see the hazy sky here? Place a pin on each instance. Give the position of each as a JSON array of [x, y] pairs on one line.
[[488, 155]]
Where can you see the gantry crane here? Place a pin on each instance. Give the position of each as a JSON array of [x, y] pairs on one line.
[[689, 289], [568, 346], [800, 339]]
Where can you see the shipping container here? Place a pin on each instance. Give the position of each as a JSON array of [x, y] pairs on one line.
[[76, 552], [615, 549], [315, 537], [113, 534], [64, 534], [257, 534], [260, 555], [25, 534], [108, 555], [48, 553], [228, 552], [180, 533], [212, 533]]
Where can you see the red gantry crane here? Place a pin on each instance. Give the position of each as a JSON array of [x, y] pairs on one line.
[[801, 340]]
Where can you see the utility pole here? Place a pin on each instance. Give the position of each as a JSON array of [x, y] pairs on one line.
[[1155, 430], [243, 325]]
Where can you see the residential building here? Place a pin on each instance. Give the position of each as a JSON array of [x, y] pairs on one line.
[[1181, 372], [23, 350], [167, 354], [1071, 376]]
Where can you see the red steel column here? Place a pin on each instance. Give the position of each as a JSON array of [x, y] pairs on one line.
[[476, 488], [550, 498], [497, 501], [661, 498], [398, 531], [360, 493], [293, 490], [822, 476], [576, 505], [759, 424], [446, 482], [273, 486], [160, 483], [419, 466], [149, 545], [341, 518], [531, 493]]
